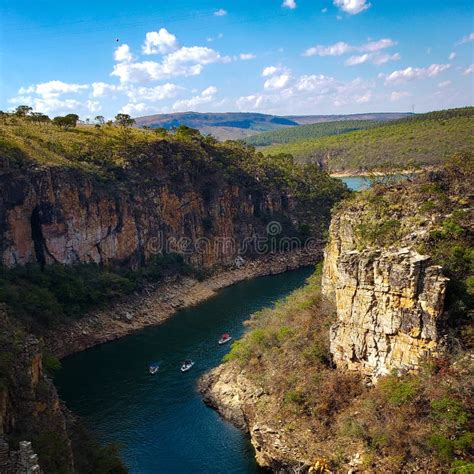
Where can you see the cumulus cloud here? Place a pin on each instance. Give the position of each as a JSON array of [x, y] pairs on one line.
[[469, 70], [452, 56], [52, 89], [291, 4], [398, 95], [341, 47], [136, 109], [352, 7], [411, 73], [205, 97], [153, 94], [123, 53], [270, 70], [185, 61], [100, 89], [162, 42], [220, 12], [466, 39], [318, 83], [277, 81]]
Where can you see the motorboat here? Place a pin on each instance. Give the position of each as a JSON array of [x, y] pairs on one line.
[[226, 337], [186, 365], [153, 369]]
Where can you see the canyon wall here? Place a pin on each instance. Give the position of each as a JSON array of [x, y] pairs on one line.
[[389, 302], [56, 214]]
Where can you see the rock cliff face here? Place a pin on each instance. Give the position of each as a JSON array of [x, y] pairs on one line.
[[389, 303], [55, 214], [29, 405]]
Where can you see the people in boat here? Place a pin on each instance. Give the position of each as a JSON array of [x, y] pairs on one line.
[[225, 338]]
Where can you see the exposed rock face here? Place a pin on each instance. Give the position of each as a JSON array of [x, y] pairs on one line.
[[56, 214], [389, 303], [29, 404], [235, 397]]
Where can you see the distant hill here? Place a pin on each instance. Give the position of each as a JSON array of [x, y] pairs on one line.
[[307, 132], [239, 125], [425, 139]]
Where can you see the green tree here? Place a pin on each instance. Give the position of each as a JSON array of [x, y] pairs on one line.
[[100, 119], [66, 122], [187, 133], [23, 110], [124, 120]]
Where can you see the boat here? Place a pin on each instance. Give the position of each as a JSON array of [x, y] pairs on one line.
[[226, 337], [186, 365], [153, 369]]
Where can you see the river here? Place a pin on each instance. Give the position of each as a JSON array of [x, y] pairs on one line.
[[160, 421]]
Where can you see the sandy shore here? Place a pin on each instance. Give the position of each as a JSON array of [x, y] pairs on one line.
[[155, 304]]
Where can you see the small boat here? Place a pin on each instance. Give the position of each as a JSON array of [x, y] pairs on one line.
[[186, 365], [153, 369], [226, 337]]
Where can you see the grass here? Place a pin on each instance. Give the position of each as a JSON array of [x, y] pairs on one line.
[[312, 131], [428, 139]]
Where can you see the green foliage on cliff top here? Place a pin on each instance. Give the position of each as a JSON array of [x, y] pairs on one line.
[[312, 131], [406, 422], [427, 139]]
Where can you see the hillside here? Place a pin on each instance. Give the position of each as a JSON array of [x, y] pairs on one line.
[[426, 139], [394, 305], [236, 125], [312, 131]]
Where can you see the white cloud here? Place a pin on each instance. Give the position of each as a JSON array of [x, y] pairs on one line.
[[352, 6], [162, 42], [336, 49], [398, 95], [246, 56], [466, 39], [324, 10], [153, 94], [269, 71], [469, 70], [54, 89], [53, 104], [136, 109], [100, 89], [185, 61], [444, 84], [363, 99], [277, 81], [123, 53], [374, 58], [341, 47], [316, 83], [93, 106], [291, 4], [220, 12], [411, 73], [452, 56], [206, 96]]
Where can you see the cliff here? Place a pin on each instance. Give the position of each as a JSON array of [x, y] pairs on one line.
[[389, 303], [173, 196], [369, 367], [30, 409]]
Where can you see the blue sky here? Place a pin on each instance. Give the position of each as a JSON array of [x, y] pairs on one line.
[[276, 56]]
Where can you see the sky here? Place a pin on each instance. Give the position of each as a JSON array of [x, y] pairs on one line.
[[284, 57]]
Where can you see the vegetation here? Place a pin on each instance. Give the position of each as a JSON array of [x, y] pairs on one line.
[[407, 421], [426, 139], [312, 131], [42, 298]]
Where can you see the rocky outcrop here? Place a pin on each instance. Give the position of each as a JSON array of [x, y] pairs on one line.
[[55, 214], [235, 397], [389, 303], [29, 404]]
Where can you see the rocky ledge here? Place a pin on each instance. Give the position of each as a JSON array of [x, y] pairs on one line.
[[227, 390]]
